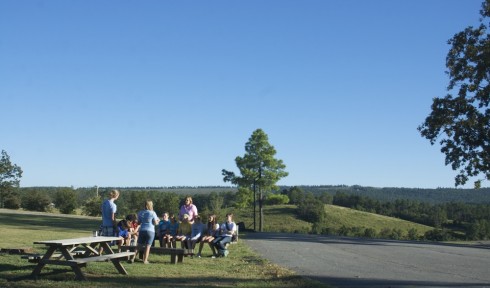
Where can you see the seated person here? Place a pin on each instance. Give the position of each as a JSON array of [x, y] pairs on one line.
[[173, 230], [227, 230], [197, 229], [184, 231], [163, 230], [212, 231], [123, 232], [133, 228]]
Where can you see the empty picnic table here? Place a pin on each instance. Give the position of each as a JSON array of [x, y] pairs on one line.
[[88, 245]]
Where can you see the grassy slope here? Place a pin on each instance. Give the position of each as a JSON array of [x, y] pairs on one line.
[[340, 216], [282, 218]]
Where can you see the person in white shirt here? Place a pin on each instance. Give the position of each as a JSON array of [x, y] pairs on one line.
[[227, 230]]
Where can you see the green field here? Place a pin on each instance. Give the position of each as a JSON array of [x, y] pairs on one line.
[[242, 268]]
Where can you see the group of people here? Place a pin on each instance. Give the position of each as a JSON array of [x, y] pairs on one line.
[[187, 227]]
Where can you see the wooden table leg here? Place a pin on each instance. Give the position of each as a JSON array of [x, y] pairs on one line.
[[37, 270], [119, 266], [78, 272]]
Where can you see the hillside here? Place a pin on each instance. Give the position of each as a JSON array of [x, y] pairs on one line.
[[283, 218], [338, 217]]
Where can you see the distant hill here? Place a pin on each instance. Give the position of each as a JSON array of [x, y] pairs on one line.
[[283, 218], [386, 194], [432, 196]]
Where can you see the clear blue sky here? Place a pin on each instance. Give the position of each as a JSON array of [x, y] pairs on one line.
[[167, 93]]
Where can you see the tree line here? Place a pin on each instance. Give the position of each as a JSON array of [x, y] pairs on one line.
[[451, 220]]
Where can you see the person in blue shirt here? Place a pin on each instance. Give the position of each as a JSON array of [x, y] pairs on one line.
[[173, 230], [164, 230], [147, 219], [123, 232], [109, 209]]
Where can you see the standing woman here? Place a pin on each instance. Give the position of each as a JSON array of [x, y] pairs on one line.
[[147, 219], [189, 209], [109, 209]]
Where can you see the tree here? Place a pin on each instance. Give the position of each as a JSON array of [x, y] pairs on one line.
[[259, 170], [36, 201], [66, 200], [462, 122], [10, 175], [91, 206]]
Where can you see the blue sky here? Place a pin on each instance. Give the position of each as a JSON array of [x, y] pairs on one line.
[[167, 93]]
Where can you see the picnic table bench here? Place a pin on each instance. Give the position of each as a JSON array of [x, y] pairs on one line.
[[176, 254], [89, 253]]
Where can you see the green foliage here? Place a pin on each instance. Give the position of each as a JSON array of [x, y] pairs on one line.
[[244, 197], [36, 201], [66, 200], [479, 230], [311, 209], [12, 201], [92, 206], [461, 123], [370, 233], [295, 194], [277, 199], [10, 175], [412, 234], [165, 202], [438, 235], [259, 170]]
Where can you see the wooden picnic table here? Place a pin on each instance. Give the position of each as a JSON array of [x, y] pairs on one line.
[[88, 245]]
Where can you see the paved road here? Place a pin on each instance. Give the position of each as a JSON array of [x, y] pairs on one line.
[[352, 262]]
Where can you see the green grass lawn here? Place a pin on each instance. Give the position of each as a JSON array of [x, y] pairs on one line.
[[242, 268]]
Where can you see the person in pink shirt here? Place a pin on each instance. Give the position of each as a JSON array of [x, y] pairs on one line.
[[189, 209]]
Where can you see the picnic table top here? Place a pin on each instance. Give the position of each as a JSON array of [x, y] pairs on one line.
[[78, 241]]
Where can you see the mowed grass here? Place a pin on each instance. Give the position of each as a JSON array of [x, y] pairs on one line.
[[340, 216], [242, 268]]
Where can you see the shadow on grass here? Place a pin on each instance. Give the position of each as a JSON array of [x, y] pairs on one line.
[[47, 220], [65, 278]]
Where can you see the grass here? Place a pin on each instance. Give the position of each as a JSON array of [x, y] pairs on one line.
[[242, 268], [340, 216], [282, 218]]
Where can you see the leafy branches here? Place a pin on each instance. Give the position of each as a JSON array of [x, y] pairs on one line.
[[461, 123]]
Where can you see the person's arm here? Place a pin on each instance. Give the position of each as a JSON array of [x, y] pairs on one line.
[[231, 225], [194, 211], [156, 220]]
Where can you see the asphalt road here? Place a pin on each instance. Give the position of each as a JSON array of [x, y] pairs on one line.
[[352, 262]]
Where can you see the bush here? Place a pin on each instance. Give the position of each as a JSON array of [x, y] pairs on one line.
[[437, 235], [12, 202], [36, 201], [412, 234], [370, 233], [66, 200], [277, 199], [91, 207]]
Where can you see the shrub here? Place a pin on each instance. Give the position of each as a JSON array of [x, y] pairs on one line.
[[36, 201], [277, 199], [12, 202], [370, 233]]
